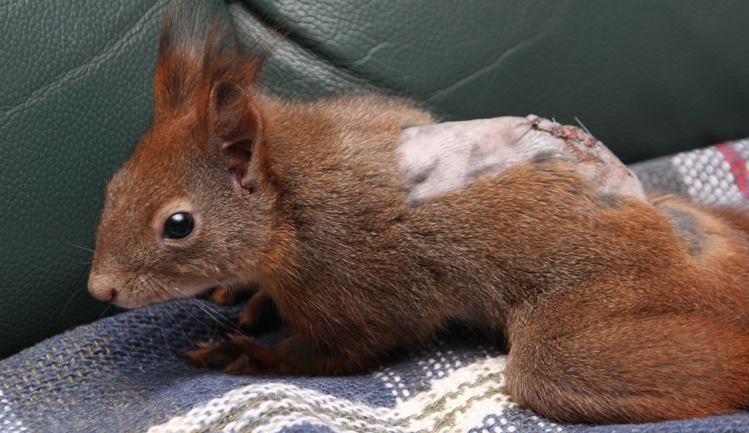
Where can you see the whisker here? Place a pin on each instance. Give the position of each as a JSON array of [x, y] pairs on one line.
[[215, 315], [157, 288], [154, 286], [219, 319], [178, 325], [212, 325], [81, 247], [218, 322], [104, 311], [70, 298]]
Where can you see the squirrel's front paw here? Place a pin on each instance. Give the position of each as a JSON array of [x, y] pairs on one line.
[[238, 354], [241, 354]]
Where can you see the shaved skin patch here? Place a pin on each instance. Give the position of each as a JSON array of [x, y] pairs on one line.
[[444, 157]]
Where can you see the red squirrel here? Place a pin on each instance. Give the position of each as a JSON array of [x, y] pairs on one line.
[[616, 306]]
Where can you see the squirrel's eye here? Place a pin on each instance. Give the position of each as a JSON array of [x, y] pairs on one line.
[[178, 225]]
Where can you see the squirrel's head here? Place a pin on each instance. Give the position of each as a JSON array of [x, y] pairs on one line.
[[193, 206]]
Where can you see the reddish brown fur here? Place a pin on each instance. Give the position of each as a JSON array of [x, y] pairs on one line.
[[610, 312]]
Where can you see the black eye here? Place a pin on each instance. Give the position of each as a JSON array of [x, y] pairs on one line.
[[178, 225]]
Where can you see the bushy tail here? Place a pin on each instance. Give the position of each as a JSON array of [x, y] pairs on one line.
[[637, 370]]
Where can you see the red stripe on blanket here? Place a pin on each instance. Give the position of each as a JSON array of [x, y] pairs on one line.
[[738, 167]]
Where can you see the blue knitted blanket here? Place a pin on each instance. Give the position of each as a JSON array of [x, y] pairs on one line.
[[126, 373]]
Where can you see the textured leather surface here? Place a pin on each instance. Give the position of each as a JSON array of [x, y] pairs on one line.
[[75, 97], [648, 78]]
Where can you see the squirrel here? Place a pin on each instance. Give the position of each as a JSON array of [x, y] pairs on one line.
[[616, 306]]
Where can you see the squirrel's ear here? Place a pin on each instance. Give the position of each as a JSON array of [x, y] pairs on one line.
[[234, 119], [236, 123]]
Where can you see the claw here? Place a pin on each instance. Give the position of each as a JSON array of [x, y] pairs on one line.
[[204, 344], [242, 365], [222, 296], [247, 320], [238, 338], [195, 357]]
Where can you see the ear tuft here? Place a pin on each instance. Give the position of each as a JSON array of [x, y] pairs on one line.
[[198, 46], [180, 59], [203, 68]]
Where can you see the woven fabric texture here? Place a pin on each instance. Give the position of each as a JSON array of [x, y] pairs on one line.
[[126, 373]]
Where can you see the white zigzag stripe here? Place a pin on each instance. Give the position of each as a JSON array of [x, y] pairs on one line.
[[454, 403], [308, 407], [464, 392], [9, 423]]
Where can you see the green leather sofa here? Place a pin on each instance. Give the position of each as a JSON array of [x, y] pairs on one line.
[[647, 77]]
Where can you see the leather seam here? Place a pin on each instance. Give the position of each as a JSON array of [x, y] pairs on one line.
[[75, 72], [288, 35]]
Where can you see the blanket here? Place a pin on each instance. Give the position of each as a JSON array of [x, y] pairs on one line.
[[126, 373]]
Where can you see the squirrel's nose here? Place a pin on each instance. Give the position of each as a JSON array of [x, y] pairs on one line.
[[101, 287], [110, 296]]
